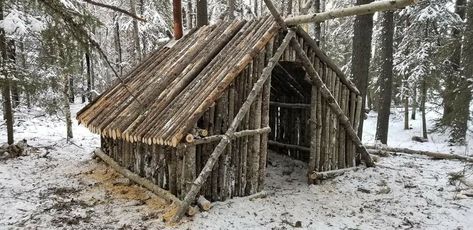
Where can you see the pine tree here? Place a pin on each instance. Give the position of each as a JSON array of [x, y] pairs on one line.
[[385, 79]]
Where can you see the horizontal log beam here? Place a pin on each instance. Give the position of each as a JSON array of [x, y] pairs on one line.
[[235, 135], [349, 11], [290, 105], [288, 146]]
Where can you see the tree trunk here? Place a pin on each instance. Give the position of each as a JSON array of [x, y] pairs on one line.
[[202, 16], [6, 82], [385, 80], [422, 105], [67, 107], [177, 17], [89, 75], [462, 102], [11, 56], [363, 29], [136, 33], [289, 7], [71, 90], [406, 106], [189, 15], [452, 77], [414, 103], [317, 25], [118, 46]]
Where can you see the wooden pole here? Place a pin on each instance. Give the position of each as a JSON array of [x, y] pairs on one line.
[[349, 11], [381, 150], [191, 195]]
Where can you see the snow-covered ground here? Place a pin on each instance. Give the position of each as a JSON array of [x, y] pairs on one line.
[[57, 185]]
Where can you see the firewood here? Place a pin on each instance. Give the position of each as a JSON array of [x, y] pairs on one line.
[[203, 203], [189, 138]]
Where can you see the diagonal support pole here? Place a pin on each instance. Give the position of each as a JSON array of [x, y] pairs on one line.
[[258, 86], [325, 92]]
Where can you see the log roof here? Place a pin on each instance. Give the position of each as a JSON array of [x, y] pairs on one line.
[[161, 99]]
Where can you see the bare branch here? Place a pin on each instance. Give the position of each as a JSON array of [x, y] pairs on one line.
[[114, 8]]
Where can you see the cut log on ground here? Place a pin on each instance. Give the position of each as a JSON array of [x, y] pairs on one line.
[[166, 195], [204, 204], [331, 174], [349, 11], [434, 155]]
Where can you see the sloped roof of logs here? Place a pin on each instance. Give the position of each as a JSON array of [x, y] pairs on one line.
[[161, 99]]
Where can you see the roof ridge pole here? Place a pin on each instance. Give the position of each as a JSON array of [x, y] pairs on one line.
[[325, 92], [258, 86]]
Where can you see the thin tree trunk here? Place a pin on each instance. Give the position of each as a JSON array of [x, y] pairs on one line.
[[422, 105], [8, 112], [136, 33], [414, 103], [67, 107], [202, 16], [363, 29], [189, 15], [118, 46], [385, 81], [406, 106], [289, 7], [89, 75], [452, 80], [177, 19], [71, 90], [462, 102]]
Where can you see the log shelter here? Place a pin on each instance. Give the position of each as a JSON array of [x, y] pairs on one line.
[[216, 100]]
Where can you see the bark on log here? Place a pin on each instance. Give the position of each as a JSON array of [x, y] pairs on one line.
[[234, 125], [435, 155], [349, 11], [290, 105], [166, 195], [289, 146], [204, 204]]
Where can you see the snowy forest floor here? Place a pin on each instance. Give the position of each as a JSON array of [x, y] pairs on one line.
[[58, 185]]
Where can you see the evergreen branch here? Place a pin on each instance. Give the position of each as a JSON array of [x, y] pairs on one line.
[[77, 31]]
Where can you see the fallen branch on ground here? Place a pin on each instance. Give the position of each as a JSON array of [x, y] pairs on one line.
[[317, 176], [444, 156]]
